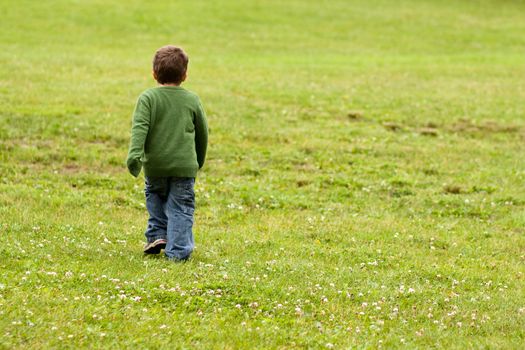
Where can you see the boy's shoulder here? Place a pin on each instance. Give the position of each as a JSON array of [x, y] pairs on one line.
[[153, 92], [192, 94]]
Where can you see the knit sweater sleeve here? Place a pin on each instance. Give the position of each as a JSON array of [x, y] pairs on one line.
[[139, 132], [201, 134]]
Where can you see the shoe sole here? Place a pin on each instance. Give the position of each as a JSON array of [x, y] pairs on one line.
[[155, 247]]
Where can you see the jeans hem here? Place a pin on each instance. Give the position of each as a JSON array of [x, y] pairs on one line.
[[154, 238], [176, 258]]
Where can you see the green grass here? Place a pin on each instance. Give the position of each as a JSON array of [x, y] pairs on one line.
[[364, 186]]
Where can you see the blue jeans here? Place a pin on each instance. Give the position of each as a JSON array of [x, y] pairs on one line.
[[171, 203]]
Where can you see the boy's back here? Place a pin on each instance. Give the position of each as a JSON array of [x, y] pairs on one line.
[[169, 132]]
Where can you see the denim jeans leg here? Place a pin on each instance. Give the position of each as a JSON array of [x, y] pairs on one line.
[[156, 195], [180, 207]]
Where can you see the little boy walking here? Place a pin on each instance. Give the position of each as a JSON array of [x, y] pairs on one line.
[[169, 137]]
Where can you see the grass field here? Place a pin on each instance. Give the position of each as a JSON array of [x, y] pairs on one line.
[[364, 186]]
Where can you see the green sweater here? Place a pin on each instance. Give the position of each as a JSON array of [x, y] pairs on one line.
[[169, 133]]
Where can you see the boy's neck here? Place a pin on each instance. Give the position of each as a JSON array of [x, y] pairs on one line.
[[169, 84]]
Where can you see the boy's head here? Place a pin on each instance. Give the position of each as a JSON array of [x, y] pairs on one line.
[[169, 65]]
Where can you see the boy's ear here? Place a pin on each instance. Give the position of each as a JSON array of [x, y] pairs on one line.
[[154, 75], [184, 76]]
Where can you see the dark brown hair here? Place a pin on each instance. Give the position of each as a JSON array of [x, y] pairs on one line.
[[170, 64]]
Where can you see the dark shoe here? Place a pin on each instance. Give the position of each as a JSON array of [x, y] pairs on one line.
[[155, 247]]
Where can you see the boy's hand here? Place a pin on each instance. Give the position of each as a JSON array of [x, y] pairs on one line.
[[134, 166]]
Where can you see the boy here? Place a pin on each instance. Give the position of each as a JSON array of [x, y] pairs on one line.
[[169, 137]]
